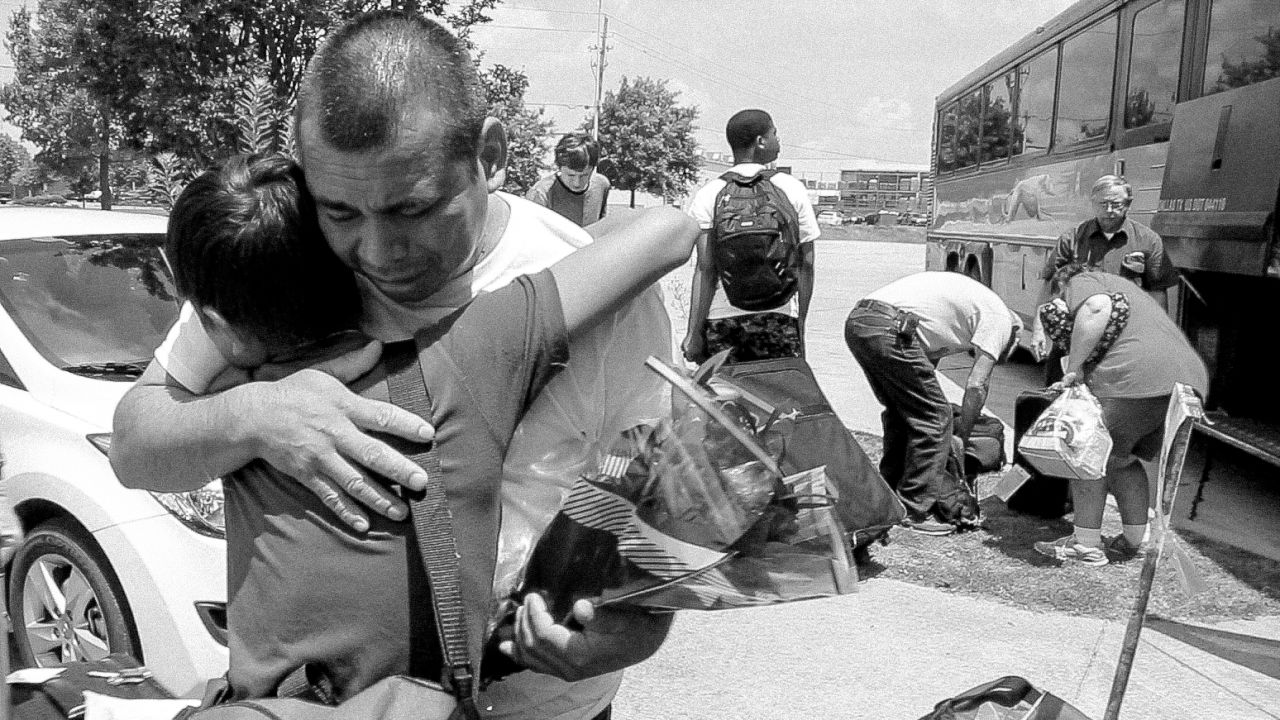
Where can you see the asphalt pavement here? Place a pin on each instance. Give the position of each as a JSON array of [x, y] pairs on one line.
[[893, 649]]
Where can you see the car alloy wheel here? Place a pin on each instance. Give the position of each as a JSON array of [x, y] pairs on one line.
[[66, 604]]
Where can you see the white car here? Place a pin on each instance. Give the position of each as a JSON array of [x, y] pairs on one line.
[[830, 217], [85, 297]]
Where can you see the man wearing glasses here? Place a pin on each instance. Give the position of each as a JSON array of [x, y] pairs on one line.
[[1110, 242]]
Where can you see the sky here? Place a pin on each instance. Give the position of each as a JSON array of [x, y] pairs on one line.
[[850, 83]]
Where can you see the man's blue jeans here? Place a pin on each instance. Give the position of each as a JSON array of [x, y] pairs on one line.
[[917, 417]]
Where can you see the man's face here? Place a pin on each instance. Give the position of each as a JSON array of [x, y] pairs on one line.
[[401, 216], [1110, 207], [575, 180], [770, 147]]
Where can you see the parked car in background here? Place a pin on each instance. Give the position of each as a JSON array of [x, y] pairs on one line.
[[882, 217], [84, 299], [830, 217]]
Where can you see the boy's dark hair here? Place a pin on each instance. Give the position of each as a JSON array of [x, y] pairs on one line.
[[577, 151], [745, 126], [243, 240]]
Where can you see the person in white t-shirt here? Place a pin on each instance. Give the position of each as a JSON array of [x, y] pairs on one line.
[[898, 334], [714, 323], [405, 170]]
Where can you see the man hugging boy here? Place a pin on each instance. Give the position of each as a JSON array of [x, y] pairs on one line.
[[303, 588]]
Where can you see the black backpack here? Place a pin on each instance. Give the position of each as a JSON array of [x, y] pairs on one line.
[[755, 241]]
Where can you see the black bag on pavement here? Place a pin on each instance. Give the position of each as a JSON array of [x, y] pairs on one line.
[[1006, 698], [1041, 495], [117, 675], [755, 240], [867, 506], [984, 452]]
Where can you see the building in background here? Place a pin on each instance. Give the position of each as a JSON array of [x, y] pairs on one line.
[[868, 191]]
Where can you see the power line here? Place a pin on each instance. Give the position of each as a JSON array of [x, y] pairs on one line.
[[543, 29], [806, 148], [559, 12], [709, 61], [660, 55], [558, 104]]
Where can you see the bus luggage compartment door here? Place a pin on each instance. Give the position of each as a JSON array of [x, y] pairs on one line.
[[1221, 183]]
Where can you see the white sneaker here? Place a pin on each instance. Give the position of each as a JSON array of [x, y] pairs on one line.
[[1066, 548]]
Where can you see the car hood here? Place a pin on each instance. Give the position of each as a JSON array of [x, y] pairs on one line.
[[90, 400]]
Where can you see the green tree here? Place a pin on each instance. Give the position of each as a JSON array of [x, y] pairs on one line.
[[646, 139], [34, 177], [527, 132], [1264, 66], [12, 159], [94, 77], [167, 176], [82, 185]]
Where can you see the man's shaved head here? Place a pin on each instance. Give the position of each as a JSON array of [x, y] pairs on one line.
[[384, 70]]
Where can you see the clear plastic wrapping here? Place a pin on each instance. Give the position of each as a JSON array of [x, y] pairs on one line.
[[692, 512]]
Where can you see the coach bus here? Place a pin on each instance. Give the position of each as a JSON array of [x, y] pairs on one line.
[[1182, 98]]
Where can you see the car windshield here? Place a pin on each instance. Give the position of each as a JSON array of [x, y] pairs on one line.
[[95, 305]]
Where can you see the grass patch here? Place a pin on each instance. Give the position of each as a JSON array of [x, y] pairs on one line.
[[997, 562], [875, 233]]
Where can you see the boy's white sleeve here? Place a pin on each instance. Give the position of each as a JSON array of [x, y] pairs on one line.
[[188, 353]]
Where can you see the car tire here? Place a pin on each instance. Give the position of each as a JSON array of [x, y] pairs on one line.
[[93, 619]]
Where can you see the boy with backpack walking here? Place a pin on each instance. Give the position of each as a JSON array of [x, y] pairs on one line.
[[754, 274]]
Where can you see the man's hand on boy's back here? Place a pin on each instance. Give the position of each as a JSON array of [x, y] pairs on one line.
[[308, 425], [328, 449]]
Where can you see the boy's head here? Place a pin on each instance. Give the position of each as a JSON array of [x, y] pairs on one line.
[[247, 252], [576, 158], [752, 136]]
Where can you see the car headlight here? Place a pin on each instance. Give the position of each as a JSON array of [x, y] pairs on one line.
[[201, 510]]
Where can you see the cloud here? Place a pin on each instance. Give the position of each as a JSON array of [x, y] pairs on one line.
[[877, 111]]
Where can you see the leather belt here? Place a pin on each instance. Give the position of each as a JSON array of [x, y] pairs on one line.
[[884, 307]]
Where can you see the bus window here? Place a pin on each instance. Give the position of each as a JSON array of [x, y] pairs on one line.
[[1244, 44], [967, 121], [947, 139], [1033, 103], [1153, 64], [997, 118], [1084, 96]]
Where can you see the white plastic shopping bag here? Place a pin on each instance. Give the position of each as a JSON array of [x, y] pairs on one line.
[[1069, 439]]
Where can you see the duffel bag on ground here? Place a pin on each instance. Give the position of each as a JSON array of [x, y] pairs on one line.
[[1008, 698], [867, 506], [984, 452], [394, 698], [63, 695], [1039, 495]]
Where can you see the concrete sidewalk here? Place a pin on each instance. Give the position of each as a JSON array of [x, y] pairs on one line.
[[893, 649]]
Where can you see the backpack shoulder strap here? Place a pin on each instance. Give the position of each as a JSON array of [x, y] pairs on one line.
[[781, 199], [433, 526]]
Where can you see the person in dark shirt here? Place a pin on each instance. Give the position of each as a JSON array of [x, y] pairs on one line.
[[1112, 242], [1133, 381], [576, 190]]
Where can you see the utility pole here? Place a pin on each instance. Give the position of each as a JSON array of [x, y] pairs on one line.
[[600, 65]]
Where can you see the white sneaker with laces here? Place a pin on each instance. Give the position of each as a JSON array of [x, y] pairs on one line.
[[1066, 548]]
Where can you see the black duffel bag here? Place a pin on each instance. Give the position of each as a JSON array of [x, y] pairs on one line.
[[984, 451], [117, 675], [1039, 495], [867, 506]]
